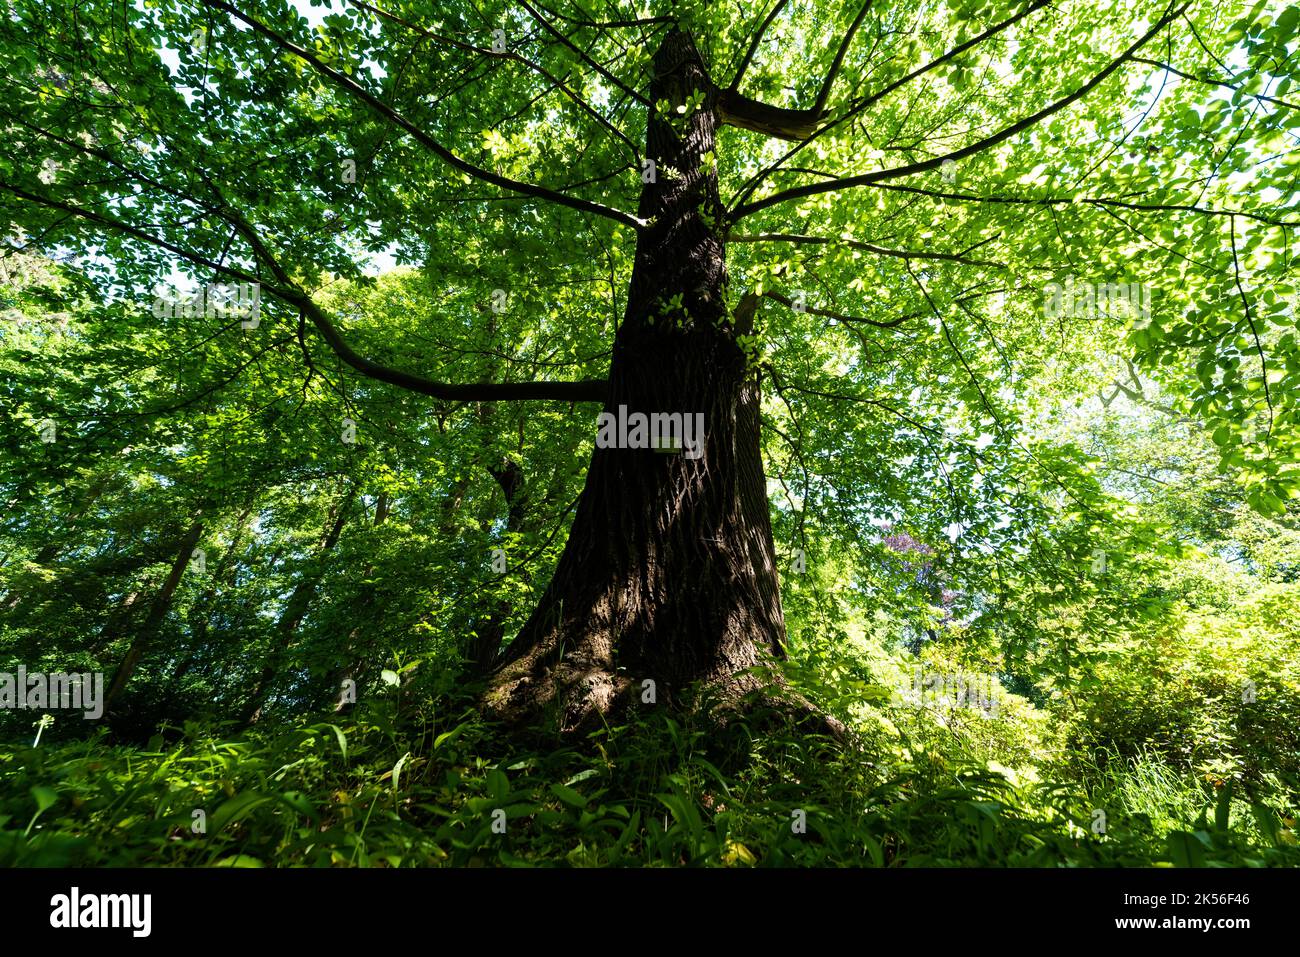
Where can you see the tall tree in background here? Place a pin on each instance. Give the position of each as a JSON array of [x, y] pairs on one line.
[[901, 185]]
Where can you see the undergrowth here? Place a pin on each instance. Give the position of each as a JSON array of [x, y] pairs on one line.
[[442, 787]]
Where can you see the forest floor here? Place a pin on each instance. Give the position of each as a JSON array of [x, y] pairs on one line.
[[441, 787]]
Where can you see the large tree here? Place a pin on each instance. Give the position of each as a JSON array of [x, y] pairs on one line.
[[911, 186]]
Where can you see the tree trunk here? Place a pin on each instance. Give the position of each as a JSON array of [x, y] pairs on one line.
[[157, 612], [295, 609], [490, 631], [202, 610], [51, 550], [354, 659], [669, 572]]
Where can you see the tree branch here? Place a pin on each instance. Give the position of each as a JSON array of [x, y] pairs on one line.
[[383, 109], [608, 24], [787, 301], [590, 390], [546, 24], [854, 244], [734, 85], [1088, 201], [750, 185], [1230, 86], [820, 105], [867, 179], [518, 58], [1250, 319], [736, 109]]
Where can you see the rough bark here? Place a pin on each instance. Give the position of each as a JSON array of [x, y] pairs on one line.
[[669, 572]]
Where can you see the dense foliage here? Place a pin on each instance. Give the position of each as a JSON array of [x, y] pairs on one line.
[[1083, 524]]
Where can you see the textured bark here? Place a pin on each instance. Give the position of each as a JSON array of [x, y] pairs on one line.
[[669, 571], [735, 109]]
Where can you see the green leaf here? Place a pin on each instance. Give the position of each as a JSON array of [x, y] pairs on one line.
[[568, 795], [45, 797], [1185, 849], [237, 808], [342, 740]]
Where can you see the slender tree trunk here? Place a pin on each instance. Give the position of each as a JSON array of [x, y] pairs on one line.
[[490, 630], [203, 609], [157, 612], [354, 659], [295, 609], [51, 550], [118, 622], [669, 572]]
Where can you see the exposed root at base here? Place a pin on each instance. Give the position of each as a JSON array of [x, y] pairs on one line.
[[572, 701], [788, 708]]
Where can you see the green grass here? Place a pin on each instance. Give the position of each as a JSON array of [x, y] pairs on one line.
[[438, 788]]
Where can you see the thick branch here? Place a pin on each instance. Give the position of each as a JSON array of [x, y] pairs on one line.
[[736, 109], [746, 309], [589, 390], [752, 183]]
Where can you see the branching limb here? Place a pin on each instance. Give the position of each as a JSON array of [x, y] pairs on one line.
[[736, 109], [867, 179], [350, 85], [862, 104], [1211, 82], [1250, 320], [590, 390], [582, 54], [518, 58], [753, 45], [819, 107], [866, 247], [1050, 201], [787, 301]]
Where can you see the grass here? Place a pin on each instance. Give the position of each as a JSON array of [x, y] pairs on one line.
[[444, 788]]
